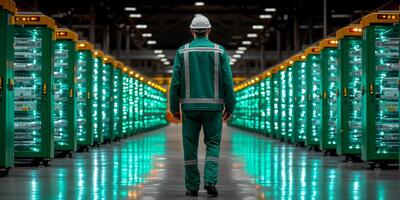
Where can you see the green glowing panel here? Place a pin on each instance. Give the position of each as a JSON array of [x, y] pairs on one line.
[[64, 97], [276, 97], [300, 101], [282, 104], [329, 68], [268, 103], [237, 115], [97, 99], [6, 91], [314, 100], [349, 141], [33, 99], [117, 90], [289, 104], [125, 105], [154, 108], [262, 112], [139, 101], [380, 60], [105, 105], [84, 101], [132, 108]]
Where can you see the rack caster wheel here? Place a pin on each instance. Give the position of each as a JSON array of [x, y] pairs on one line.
[[371, 166], [4, 172]]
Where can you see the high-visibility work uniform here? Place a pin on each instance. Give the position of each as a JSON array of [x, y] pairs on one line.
[[202, 84]]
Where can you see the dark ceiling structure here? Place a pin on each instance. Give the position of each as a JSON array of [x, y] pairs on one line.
[[131, 30]]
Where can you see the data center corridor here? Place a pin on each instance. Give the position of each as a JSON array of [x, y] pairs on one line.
[[150, 166]]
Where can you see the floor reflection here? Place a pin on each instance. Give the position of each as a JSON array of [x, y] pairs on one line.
[[150, 166], [116, 172], [281, 171]]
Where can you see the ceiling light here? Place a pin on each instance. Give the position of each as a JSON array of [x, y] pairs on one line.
[[147, 35], [161, 55], [199, 3], [151, 42], [130, 9], [257, 27], [237, 56], [233, 59], [242, 48], [167, 63], [231, 63], [267, 16], [246, 42], [240, 52], [158, 51], [252, 35], [270, 9], [135, 15], [141, 26], [164, 59]]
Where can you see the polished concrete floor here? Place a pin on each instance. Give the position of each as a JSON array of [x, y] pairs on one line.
[[150, 167]]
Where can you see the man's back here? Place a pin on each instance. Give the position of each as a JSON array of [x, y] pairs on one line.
[[202, 77]]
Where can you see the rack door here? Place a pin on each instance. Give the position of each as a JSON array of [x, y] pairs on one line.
[[329, 68], [33, 106], [84, 98], [64, 97], [349, 107], [314, 100], [300, 100], [381, 98]]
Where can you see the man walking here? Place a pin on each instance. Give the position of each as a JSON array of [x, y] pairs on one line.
[[202, 84]]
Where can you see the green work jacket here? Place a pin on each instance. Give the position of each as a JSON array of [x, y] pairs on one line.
[[202, 78]]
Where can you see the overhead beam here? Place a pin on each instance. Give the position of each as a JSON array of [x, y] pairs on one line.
[[269, 56]]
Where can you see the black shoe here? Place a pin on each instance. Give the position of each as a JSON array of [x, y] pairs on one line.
[[193, 193], [211, 190]]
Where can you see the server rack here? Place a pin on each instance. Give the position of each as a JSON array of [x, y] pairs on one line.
[[97, 80], [106, 89], [133, 98], [7, 10], [289, 101], [125, 103], [269, 95], [380, 58], [282, 117], [349, 96], [275, 102], [299, 99], [238, 116], [313, 105], [265, 104], [33, 97], [84, 93], [116, 105], [65, 111], [329, 89]]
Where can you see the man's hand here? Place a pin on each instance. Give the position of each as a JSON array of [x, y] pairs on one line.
[[177, 115], [226, 115]]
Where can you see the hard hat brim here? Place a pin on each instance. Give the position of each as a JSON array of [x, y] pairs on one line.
[[202, 27]]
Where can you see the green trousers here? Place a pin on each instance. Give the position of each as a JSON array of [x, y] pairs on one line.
[[211, 121]]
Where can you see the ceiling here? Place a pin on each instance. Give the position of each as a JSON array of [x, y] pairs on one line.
[[294, 25]]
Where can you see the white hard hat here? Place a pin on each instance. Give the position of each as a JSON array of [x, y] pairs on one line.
[[200, 22]]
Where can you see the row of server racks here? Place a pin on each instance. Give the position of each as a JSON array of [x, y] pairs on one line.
[[59, 95], [340, 96]]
